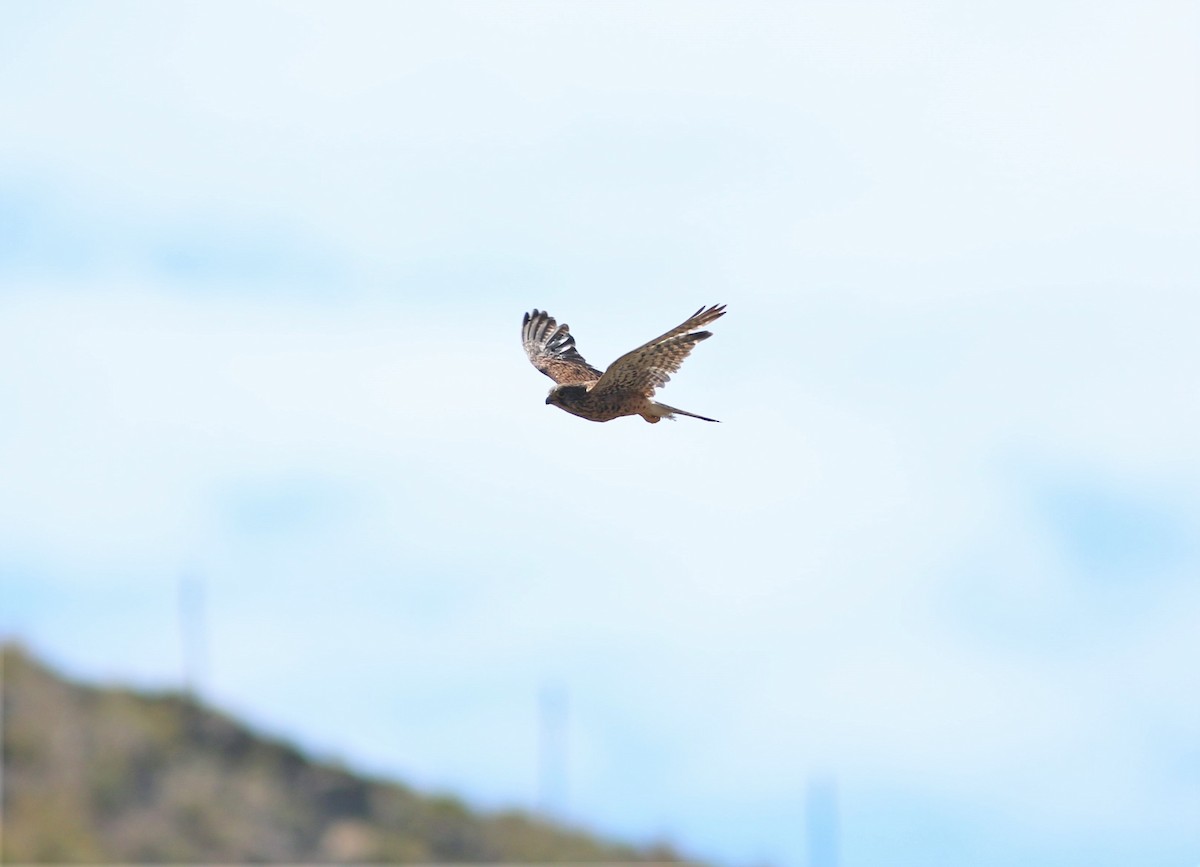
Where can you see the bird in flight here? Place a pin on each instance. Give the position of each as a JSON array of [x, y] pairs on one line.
[[628, 385]]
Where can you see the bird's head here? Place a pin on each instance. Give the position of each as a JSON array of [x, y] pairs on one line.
[[568, 396]]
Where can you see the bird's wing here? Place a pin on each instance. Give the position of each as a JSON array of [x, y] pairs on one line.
[[551, 349], [650, 366]]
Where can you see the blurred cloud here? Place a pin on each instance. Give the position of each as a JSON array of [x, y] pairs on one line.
[[1109, 536]]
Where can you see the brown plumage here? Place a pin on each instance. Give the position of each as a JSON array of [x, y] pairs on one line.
[[628, 385]]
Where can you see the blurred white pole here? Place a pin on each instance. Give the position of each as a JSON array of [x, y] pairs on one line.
[[552, 751], [191, 631], [821, 815]]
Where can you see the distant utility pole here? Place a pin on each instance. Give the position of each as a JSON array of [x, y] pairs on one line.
[[552, 751], [821, 815], [191, 631]]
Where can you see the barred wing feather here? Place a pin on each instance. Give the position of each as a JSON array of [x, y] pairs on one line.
[[649, 367], [551, 349]]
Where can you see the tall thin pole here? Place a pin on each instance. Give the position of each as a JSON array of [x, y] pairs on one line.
[[552, 751], [821, 814], [191, 632]]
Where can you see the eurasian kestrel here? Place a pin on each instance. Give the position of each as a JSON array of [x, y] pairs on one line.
[[630, 381]]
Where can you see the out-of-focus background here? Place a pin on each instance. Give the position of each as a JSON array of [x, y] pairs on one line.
[[928, 595]]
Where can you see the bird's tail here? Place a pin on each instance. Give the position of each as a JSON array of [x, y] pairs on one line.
[[661, 410]]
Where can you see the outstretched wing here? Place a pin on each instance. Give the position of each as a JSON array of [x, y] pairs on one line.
[[650, 366], [551, 348]]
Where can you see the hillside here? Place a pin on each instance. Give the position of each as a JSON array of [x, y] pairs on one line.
[[100, 774]]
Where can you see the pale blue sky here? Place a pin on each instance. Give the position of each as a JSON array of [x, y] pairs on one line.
[[262, 269]]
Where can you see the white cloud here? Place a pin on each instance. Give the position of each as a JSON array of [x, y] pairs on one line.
[[958, 255]]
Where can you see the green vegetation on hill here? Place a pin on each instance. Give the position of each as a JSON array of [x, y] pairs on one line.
[[115, 775]]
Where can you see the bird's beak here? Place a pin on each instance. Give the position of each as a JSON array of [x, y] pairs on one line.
[[549, 398]]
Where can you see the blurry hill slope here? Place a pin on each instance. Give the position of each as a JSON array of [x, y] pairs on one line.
[[101, 774]]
